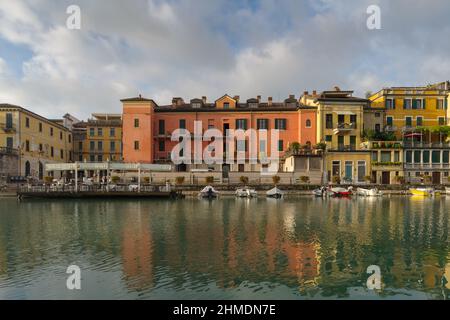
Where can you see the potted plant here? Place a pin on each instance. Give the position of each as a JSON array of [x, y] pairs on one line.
[[180, 180], [304, 179], [400, 179], [336, 179], [209, 179], [146, 180], [276, 180], [368, 179], [243, 179]]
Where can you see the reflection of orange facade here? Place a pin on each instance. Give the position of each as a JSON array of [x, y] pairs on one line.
[[147, 127], [137, 256]]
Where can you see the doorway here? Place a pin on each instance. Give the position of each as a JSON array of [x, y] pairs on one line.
[[385, 177], [436, 178]]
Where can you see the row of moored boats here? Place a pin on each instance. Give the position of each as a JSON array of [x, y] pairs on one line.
[[245, 192]]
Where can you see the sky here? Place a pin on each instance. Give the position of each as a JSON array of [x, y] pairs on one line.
[[182, 48]]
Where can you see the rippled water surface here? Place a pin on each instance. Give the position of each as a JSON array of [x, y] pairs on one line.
[[302, 248]]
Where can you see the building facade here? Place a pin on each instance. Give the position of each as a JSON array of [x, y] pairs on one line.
[[34, 140]]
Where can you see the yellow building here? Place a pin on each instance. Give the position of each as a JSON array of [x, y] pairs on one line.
[[98, 139], [411, 107], [34, 139], [340, 124]]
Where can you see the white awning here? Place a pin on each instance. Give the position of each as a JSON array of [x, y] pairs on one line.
[[345, 112]]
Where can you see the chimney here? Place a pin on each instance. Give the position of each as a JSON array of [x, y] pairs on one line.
[[292, 96], [140, 97], [236, 98], [305, 93], [177, 101], [269, 101], [314, 93], [204, 99]]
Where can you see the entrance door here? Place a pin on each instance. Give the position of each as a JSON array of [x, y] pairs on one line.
[[41, 171], [436, 178], [225, 170], [361, 170], [385, 177], [348, 171]]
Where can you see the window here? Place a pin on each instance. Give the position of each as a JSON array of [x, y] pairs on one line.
[[112, 146], [328, 138], [27, 145], [60, 135], [280, 124], [353, 120], [385, 156], [210, 123], [336, 168], [80, 145], [162, 145], [9, 120], [390, 103], [196, 105], [417, 104], [40, 126], [426, 156], [262, 124], [70, 138], [41, 147], [136, 145], [253, 105], [27, 122], [341, 119], [241, 124], [100, 145], [52, 152], [407, 104], [100, 158], [436, 156], [375, 156], [417, 156], [161, 127], [396, 156], [408, 121], [280, 145], [9, 142], [91, 132], [441, 121], [112, 132], [439, 104], [419, 121], [51, 132], [445, 156], [241, 167], [80, 157], [408, 156], [353, 142], [182, 124], [136, 123], [377, 114], [92, 145], [100, 132], [61, 154], [226, 105], [329, 121], [262, 146], [241, 145], [308, 123], [340, 142], [377, 127], [389, 121], [92, 158]]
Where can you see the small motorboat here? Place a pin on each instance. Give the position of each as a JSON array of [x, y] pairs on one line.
[[246, 192], [275, 193], [208, 192], [424, 192], [320, 192], [341, 192], [368, 192]]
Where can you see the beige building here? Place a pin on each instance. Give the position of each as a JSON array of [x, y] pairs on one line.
[[35, 140]]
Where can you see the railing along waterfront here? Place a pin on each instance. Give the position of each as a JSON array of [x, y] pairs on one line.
[[92, 188]]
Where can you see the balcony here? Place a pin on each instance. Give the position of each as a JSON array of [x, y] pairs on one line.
[[9, 151], [385, 144], [426, 166], [341, 147], [8, 128], [166, 135], [390, 128], [432, 145], [343, 128], [386, 164]]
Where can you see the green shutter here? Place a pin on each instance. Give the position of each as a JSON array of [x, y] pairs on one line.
[[404, 103], [423, 103], [393, 103], [414, 104]]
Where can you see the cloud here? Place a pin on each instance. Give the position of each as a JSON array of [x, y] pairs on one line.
[[194, 48]]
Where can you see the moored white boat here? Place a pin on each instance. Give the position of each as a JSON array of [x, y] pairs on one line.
[[275, 193], [208, 192], [246, 193], [447, 190], [368, 192]]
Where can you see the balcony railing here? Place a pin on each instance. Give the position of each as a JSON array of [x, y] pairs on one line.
[[8, 127], [10, 151], [385, 144], [417, 144], [344, 127], [425, 166], [390, 128], [341, 147]]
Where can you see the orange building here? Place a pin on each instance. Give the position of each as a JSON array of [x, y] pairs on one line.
[[148, 127]]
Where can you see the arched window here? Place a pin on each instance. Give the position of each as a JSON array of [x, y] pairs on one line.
[[27, 169], [308, 123]]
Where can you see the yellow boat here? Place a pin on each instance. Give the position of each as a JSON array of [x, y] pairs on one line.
[[424, 192]]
